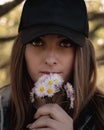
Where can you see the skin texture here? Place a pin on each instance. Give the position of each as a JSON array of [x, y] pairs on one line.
[[50, 54], [51, 117]]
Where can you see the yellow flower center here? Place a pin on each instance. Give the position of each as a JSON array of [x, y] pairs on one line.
[[50, 91], [50, 82], [41, 89]]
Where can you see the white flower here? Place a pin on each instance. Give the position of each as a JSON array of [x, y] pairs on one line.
[[58, 80], [50, 91], [69, 90], [48, 85], [70, 93], [49, 81], [71, 102], [54, 79], [40, 90], [32, 94], [42, 78]]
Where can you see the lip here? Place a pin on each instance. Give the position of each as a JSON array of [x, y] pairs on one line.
[[47, 72]]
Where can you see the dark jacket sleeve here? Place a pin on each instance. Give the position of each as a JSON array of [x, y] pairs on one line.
[[4, 101], [92, 116], [98, 103]]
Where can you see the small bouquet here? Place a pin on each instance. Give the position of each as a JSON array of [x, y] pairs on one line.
[[48, 86]]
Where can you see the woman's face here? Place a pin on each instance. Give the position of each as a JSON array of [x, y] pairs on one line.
[[50, 54]]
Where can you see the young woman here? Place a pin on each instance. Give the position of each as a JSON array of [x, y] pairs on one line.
[[53, 38]]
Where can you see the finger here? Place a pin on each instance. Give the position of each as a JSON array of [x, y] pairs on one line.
[[44, 121], [55, 112], [28, 126]]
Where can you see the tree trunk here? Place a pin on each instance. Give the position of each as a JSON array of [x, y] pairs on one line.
[[9, 6]]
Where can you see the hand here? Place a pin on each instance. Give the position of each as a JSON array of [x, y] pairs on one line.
[[51, 117]]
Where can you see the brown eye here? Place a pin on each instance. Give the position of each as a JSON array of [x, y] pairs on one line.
[[65, 43], [37, 42]]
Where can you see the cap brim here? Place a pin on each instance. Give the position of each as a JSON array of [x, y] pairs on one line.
[[29, 34]]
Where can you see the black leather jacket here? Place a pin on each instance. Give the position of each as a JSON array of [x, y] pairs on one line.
[[90, 118]]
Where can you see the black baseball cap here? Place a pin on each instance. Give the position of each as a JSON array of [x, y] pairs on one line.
[[62, 17]]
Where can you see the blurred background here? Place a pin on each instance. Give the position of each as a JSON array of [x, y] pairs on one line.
[[10, 11]]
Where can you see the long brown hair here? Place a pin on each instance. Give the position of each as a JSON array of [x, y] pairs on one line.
[[84, 80], [85, 75], [21, 84]]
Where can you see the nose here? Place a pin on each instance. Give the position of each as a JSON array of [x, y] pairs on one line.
[[50, 58]]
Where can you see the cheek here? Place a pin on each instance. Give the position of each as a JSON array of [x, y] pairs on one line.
[[31, 68], [68, 66], [32, 64]]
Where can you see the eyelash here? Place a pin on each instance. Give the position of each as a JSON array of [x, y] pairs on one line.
[[37, 42], [63, 43], [66, 43]]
